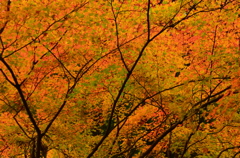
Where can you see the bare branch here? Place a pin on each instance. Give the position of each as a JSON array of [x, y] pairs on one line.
[[234, 147], [115, 15], [148, 20]]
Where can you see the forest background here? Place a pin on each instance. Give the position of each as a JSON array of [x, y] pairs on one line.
[[119, 79]]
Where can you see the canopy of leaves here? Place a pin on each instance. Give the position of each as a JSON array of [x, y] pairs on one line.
[[87, 78]]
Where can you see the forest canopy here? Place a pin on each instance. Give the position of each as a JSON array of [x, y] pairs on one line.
[[119, 78]]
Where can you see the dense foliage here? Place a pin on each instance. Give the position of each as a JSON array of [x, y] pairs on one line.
[[119, 79]]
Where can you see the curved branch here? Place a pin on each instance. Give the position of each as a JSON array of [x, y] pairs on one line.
[[227, 150]]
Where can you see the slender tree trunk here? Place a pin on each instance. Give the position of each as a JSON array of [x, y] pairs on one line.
[[38, 147]]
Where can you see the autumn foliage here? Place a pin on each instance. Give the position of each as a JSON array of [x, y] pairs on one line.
[[119, 78]]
